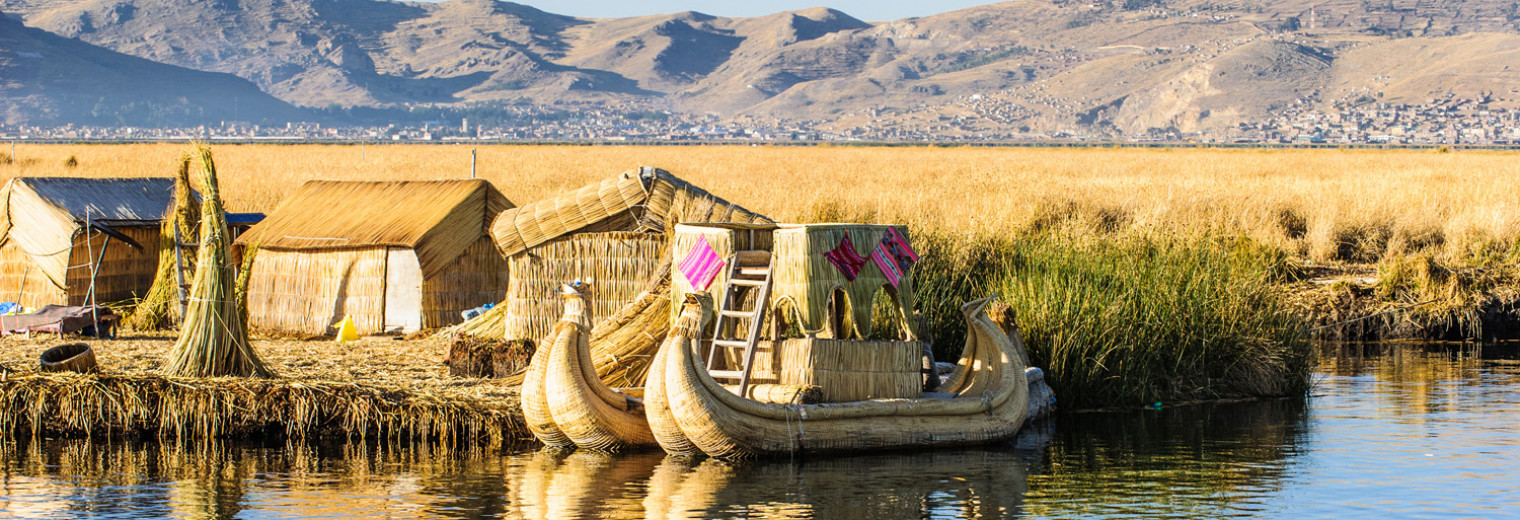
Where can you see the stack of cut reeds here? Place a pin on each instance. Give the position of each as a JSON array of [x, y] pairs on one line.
[[214, 338]]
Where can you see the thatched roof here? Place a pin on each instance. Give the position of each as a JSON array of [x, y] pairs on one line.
[[42, 214], [641, 200], [438, 219]]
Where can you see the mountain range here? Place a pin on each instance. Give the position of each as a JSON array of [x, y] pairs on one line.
[[1125, 67]]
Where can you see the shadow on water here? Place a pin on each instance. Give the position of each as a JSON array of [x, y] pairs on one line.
[[1390, 429]]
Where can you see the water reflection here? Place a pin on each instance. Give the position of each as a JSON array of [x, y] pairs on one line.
[[1392, 430], [1205, 461], [60, 479]]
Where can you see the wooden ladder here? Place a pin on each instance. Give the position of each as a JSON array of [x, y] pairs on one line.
[[747, 270], [182, 270]]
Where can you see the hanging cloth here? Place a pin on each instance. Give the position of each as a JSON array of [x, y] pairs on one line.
[[702, 265], [846, 259]]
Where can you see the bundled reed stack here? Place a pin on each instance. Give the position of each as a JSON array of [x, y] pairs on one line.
[[159, 308], [214, 338]]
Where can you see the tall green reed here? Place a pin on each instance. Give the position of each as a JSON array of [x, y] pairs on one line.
[[1128, 319]]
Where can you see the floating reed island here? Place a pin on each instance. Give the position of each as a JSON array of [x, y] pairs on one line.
[[370, 389]]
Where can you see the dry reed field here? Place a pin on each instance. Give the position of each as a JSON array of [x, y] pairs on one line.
[[1323, 205]]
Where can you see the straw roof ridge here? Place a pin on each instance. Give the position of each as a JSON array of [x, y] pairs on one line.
[[120, 201], [645, 199], [439, 219]]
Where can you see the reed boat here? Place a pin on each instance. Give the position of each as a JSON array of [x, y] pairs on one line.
[[565, 403], [775, 360], [984, 399]]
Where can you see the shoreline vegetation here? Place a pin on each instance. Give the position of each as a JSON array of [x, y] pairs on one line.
[[1138, 276]]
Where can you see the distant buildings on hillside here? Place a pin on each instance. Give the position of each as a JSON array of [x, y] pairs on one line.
[[1362, 120]]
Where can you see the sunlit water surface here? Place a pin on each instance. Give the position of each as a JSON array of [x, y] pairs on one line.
[[1391, 432]]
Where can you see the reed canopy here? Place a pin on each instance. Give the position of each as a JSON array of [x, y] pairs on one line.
[[612, 235], [54, 235], [393, 256], [810, 296]]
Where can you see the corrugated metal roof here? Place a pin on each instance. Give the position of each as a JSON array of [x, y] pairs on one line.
[[126, 201]]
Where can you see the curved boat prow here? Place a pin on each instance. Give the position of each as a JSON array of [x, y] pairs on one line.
[[565, 403]]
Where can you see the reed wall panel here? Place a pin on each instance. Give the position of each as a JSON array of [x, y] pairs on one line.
[[21, 280], [477, 277], [617, 265], [846, 370], [125, 272], [804, 277], [308, 292]]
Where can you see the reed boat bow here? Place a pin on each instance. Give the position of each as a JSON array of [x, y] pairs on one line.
[[566, 405]]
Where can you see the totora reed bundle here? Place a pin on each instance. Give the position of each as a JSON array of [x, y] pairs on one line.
[[159, 309], [214, 338]]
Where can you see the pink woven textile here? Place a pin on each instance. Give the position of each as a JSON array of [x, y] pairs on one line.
[[702, 265]]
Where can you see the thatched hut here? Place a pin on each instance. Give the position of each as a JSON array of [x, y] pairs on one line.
[[55, 232], [612, 234], [394, 256]]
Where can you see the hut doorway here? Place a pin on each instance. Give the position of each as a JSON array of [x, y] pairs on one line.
[[403, 291]]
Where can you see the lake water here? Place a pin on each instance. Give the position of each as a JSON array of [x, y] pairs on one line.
[[1390, 432]]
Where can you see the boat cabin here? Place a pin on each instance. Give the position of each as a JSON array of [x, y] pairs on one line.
[[826, 305]]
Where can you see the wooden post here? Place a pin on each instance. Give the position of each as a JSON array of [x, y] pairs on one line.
[[94, 271], [179, 273], [472, 163], [21, 293]]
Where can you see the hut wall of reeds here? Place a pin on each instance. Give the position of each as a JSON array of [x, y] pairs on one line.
[[611, 234], [617, 266], [301, 292], [393, 256], [48, 253]]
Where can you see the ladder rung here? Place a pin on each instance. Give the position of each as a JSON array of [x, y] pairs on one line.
[[752, 258], [754, 271], [747, 282], [739, 314], [726, 373], [730, 343]]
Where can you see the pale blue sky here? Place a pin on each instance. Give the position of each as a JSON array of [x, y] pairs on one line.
[[868, 10]]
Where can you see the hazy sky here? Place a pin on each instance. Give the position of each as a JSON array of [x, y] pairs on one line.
[[863, 9]]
